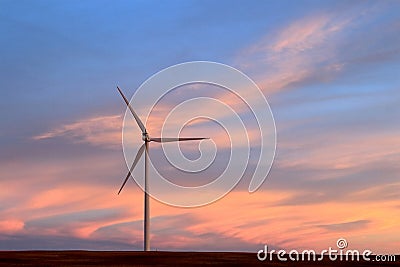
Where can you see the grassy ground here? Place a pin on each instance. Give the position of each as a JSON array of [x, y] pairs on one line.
[[125, 258]]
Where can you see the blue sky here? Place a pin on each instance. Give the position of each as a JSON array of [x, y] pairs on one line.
[[329, 70]]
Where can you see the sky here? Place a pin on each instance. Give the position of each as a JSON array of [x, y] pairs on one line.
[[329, 70]]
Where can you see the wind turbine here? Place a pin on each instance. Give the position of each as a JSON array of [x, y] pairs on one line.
[[145, 147]]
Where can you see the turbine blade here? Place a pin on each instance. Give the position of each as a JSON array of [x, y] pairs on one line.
[[139, 122], [176, 139], [138, 155]]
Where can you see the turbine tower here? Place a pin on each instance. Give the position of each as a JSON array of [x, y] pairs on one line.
[[145, 148]]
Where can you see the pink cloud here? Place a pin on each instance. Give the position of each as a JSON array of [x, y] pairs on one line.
[[307, 33], [239, 217], [294, 53], [100, 130], [331, 151], [11, 226]]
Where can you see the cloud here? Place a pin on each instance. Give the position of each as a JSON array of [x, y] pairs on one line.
[[78, 223], [300, 36], [90, 213], [334, 151], [294, 54], [100, 130], [345, 226], [43, 242], [321, 47], [11, 226]]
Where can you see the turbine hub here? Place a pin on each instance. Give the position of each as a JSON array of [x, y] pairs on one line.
[[145, 137]]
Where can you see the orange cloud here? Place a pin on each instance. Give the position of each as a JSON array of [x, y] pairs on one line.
[[256, 219], [80, 208]]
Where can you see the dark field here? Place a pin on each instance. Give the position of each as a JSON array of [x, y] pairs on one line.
[[125, 258]]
